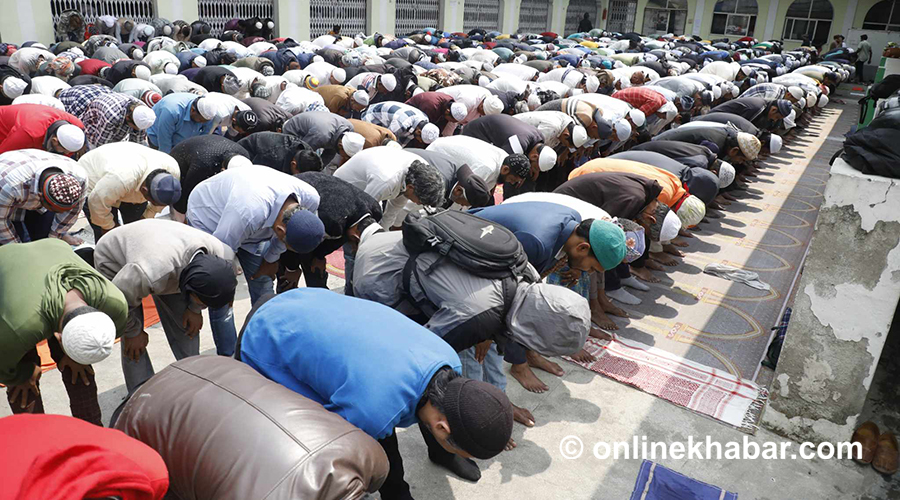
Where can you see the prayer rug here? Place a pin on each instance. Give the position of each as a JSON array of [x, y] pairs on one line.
[[334, 263], [704, 390], [655, 482]]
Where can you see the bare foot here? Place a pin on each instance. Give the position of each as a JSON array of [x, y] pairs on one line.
[[644, 274], [522, 372], [712, 215], [655, 266], [722, 200], [511, 444], [600, 334], [522, 416], [670, 249], [714, 205], [613, 309], [535, 360], [583, 356], [599, 318], [684, 234], [663, 259], [72, 240], [678, 243], [729, 196]]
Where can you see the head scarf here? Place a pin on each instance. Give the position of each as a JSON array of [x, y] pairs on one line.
[[211, 278]]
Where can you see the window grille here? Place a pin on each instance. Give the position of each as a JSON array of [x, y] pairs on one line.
[[141, 11], [219, 12], [324, 14], [413, 15], [484, 14], [534, 16], [576, 11]]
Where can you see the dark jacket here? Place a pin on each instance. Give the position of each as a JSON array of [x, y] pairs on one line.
[[743, 124], [620, 194], [122, 70], [270, 117], [273, 149], [320, 129], [10, 72], [747, 107], [210, 77], [692, 155], [200, 158], [499, 131], [699, 181]]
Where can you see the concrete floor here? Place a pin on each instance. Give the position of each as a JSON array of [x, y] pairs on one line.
[[588, 406]]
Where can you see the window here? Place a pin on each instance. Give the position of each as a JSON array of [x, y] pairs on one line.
[[734, 17], [883, 16], [665, 16], [811, 18]]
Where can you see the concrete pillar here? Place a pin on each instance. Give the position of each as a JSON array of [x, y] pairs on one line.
[[770, 21], [24, 20], [451, 15], [509, 15], [381, 16], [699, 8], [173, 10], [843, 310], [558, 10], [292, 19]]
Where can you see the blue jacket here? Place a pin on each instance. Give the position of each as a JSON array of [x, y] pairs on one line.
[[173, 121], [542, 228], [360, 359]]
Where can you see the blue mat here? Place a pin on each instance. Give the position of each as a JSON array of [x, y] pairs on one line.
[[656, 482]]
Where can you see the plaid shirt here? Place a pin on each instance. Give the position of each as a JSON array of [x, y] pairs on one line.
[[76, 99], [768, 91], [104, 120], [20, 172], [647, 100], [401, 119]]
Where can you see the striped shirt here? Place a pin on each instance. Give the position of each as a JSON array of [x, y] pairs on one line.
[[20, 172], [104, 120], [401, 119], [76, 99], [768, 91]]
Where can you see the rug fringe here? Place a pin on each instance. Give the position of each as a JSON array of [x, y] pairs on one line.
[[750, 424]]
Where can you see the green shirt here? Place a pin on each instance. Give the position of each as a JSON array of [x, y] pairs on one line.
[[34, 280], [864, 51]]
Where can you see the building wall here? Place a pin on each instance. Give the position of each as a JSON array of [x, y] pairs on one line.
[[32, 17]]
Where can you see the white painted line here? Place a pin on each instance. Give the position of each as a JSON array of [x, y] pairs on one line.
[[857, 93]]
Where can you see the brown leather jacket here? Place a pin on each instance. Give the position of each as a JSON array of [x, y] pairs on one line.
[[226, 432]]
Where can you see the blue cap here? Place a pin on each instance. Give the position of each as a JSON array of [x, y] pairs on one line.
[[304, 232], [165, 189], [784, 107]]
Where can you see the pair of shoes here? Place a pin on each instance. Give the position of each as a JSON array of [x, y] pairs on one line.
[[878, 449]]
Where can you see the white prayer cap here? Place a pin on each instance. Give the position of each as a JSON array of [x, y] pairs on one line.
[[810, 99], [14, 87], [148, 30], [789, 123], [534, 102], [318, 59], [167, 30], [339, 75], [430, 133], [670, 227], [258, 25], [271, 24], [89, 338], [823, 101], [493, 105], [143, 117], [487, 67], [670, 110], [726, 174], [416, 91], [238, 161], [207, 108], [579, 136], [170, 68], [389, 82], [637, 117], [361, 97], [623, 129], [352, 143], [458, 111], [775, 143], [70, 137], [573, 78], [520, 59], [592, 84], [735, 91], [691, 211], [483, 81], [137, 54], [717, 92], [795, 91], [802, 103], [199, 61], [142, 72], [547, 159]]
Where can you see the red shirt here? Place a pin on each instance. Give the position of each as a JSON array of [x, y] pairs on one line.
[[56, 457], [433, 104], [92, 66], [24, 126], [647, 100]]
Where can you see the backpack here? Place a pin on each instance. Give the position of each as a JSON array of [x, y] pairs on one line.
[[881, 90], [481, 247]]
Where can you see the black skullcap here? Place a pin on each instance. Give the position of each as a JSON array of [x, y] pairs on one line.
[[476, 189], [480, 417], [519, 165], [246, 120], [212, 279]]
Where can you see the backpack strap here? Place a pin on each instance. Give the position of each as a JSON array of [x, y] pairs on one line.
[[408, 270], [508, 287]]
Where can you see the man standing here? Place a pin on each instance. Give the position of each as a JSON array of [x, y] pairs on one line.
[[298, 336], [49, 293], [863, 57], [34, 126], [126, 176], [258, 213], [185, 270], [179, 116], [40, 195]]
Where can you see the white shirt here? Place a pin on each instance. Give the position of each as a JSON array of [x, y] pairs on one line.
[[47, 85], [585, 210], [321, 70], [518, 71], [613, 109], [726, 70], [296, 100], [509, 84], [551, 124], [225, 105], [239, 207], [483, 158], [381, 173]]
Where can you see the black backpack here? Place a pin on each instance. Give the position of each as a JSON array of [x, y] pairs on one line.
[[482, 247]]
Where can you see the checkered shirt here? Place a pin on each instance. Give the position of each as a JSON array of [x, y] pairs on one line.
[[20, 172], [76, 99], [104, 120], [401, 119], [768, 91]]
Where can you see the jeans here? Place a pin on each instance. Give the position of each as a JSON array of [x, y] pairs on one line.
[[35, 226], [349, 259], [491, 371], [130, 213], [221, 320], [171, 309], [615, 276]]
